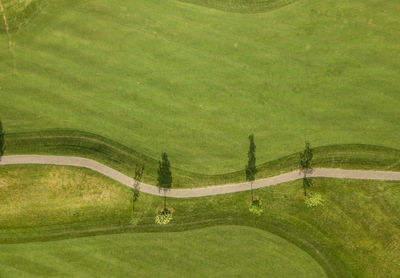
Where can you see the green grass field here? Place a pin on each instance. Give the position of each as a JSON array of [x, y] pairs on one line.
[[164, 75], [355, 233], [220, 251], [122, 81]]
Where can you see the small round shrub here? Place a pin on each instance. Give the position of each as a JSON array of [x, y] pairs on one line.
[[163, 217], [256, 207], [314, 200], [135, 219]]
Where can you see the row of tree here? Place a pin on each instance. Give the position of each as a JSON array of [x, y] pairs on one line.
[[164, 180], [304, 163]]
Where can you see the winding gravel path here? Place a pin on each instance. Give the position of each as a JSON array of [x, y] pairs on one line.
[[196, 192]]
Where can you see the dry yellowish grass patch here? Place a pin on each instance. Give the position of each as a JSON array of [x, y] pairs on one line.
[[55, 194]]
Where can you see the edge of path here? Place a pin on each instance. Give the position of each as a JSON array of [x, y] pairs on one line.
[[196, 192]]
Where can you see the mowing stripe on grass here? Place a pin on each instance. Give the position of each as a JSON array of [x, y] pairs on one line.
[[167, 76]]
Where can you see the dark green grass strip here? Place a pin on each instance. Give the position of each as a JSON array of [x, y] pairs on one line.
[[124, 159]]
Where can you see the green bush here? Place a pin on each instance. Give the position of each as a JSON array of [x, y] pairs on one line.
[[256, 207], [135, 220], [163, 217], [314, 200]]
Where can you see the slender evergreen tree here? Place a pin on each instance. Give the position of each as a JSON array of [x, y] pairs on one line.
[[2, 140], [251, 169], [306, 157], [136, 185], [305, 165], [164, 176]]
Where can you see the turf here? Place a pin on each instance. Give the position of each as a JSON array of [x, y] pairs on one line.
[[209, 252], [195, 82], [355, 233]]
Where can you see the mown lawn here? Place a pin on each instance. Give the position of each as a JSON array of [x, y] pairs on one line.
[[164, 75], [355, 233], [221, 251]]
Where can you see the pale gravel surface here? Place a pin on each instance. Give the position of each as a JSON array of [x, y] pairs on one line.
[[197, 192]]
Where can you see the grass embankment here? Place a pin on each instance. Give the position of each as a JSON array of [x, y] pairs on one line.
[[195, 82], [124, 159], [354, 234], [222, 251], [242, 6]]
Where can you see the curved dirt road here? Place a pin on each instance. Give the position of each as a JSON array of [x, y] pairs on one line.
[[196, 192]]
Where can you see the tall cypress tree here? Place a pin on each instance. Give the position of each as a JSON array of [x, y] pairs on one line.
[[2, 141], [305, 165], [306, 157], [136, 185], [251, 169], [164, 176]]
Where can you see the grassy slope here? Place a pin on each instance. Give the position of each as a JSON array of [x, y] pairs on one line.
[[355, 233], [210, 252], [192, 81], [242, 6]]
